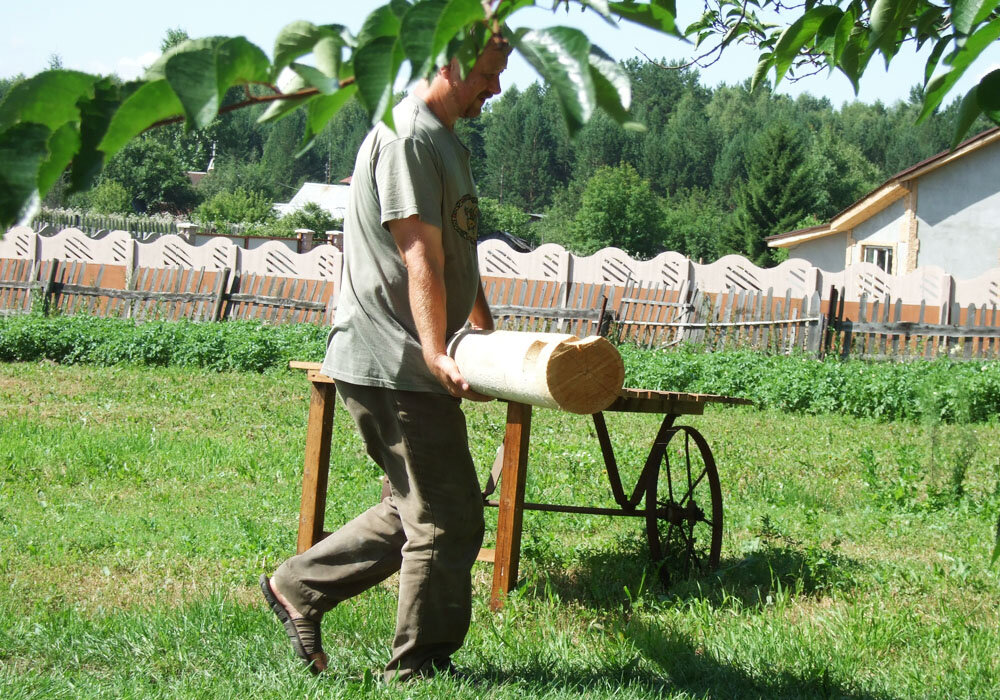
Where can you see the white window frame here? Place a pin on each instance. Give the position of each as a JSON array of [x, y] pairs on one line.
[[886, 252]]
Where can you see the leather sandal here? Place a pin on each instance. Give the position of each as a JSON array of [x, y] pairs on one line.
[[304, 634]]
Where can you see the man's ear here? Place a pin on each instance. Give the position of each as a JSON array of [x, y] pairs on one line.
[[452, 72]]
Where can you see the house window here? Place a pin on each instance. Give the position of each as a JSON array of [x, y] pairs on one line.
[[880, 255]]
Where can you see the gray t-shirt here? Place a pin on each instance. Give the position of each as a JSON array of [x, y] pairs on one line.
[[420, 169]]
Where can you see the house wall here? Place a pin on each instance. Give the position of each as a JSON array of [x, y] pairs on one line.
[[882, 229], [826, 253], [958, 212]]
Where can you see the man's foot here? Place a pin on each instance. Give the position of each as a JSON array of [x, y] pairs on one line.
[[304, 634]]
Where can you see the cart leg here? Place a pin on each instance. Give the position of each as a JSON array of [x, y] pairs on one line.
[[515, 461], [317, 464]]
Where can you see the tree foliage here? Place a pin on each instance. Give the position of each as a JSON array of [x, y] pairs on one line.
[[618, 208], [778, 189], [63, 119]]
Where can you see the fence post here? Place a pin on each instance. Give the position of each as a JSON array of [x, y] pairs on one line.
[[336, 239], [815, 332], [305, 238], [50, 285], [188, 232], [945, 312], [832, 321], [220, 292]]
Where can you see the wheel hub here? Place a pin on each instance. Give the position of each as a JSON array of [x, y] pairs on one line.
[[676, 514]]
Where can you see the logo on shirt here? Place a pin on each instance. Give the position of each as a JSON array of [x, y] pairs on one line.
[[465, 218]]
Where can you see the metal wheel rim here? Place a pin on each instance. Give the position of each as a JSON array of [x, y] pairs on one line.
[[685, 495]]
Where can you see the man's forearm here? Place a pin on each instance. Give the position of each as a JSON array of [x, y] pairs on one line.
[[481, 317], [428, 305]]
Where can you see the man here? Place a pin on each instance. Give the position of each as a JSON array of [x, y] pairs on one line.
[[411, 280]]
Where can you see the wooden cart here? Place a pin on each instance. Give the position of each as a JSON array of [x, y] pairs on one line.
[[677, 492]]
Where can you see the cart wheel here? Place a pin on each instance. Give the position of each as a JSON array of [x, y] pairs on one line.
[[684, 507]]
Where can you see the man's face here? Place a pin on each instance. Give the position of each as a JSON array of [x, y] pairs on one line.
[[482, 82]]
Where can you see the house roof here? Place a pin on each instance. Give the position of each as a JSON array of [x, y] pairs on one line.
[[333, 198], [896, 187]]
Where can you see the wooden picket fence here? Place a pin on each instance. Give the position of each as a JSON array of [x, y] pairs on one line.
[[160, 293], [878, 330], [649, 316], [663, 317], [548, 307]]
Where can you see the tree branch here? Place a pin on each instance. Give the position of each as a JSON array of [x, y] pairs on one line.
[[252, 100]]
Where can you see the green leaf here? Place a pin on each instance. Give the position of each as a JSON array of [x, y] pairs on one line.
[[95, 117], [62, 146], [316, 78], [193, 78], [300, 38], [826, 35], [375, 67], [988, 94], [158, 71], [294, 40], [383, 22], [200, 71], [505, 10], [660, 15], [797, 35], [843, 34], [328, 54], [941, 84], [429, 27], [23, 149], [282, 108], [400, 7], [968, 111], [883, 16], [322, 109], [935, 57], [561, 55], [760, 72], [612, 87], [929, 17], [965, 12], [416, 35], [240, 62], [853, 61], [49, 98], [602, 8], [151, 103]]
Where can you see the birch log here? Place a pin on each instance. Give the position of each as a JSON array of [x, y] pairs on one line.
[[554, 370]]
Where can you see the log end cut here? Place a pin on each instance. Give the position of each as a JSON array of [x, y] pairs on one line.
[[585, 376]]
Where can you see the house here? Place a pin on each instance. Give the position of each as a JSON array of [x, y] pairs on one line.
[[332, 198], [944, 211]]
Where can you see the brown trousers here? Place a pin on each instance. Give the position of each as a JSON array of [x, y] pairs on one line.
[[430, 529]]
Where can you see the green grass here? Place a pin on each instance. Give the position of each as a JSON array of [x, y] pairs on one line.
[[138, 506]]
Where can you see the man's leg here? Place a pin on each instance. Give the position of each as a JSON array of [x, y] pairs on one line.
[[437, 494], [432, 525]]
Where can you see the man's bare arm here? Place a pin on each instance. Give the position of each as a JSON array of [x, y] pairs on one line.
[[481, 318], [420, 246]]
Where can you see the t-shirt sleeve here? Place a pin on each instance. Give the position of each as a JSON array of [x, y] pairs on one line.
[[408, 182]]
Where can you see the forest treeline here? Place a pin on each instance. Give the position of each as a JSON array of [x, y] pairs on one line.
[[714, 171]]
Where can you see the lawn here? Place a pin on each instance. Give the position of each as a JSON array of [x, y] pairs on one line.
[[138, 506]]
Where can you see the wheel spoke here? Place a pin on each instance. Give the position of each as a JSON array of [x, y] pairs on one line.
[[675, 525], [693, 486]]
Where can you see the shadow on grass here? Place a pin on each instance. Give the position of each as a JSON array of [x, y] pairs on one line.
[[680, 665], [609, 579]]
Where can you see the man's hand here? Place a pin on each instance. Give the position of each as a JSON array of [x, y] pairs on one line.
[[446, 371]]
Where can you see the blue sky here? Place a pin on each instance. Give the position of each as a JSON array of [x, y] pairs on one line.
[[122, 37]]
